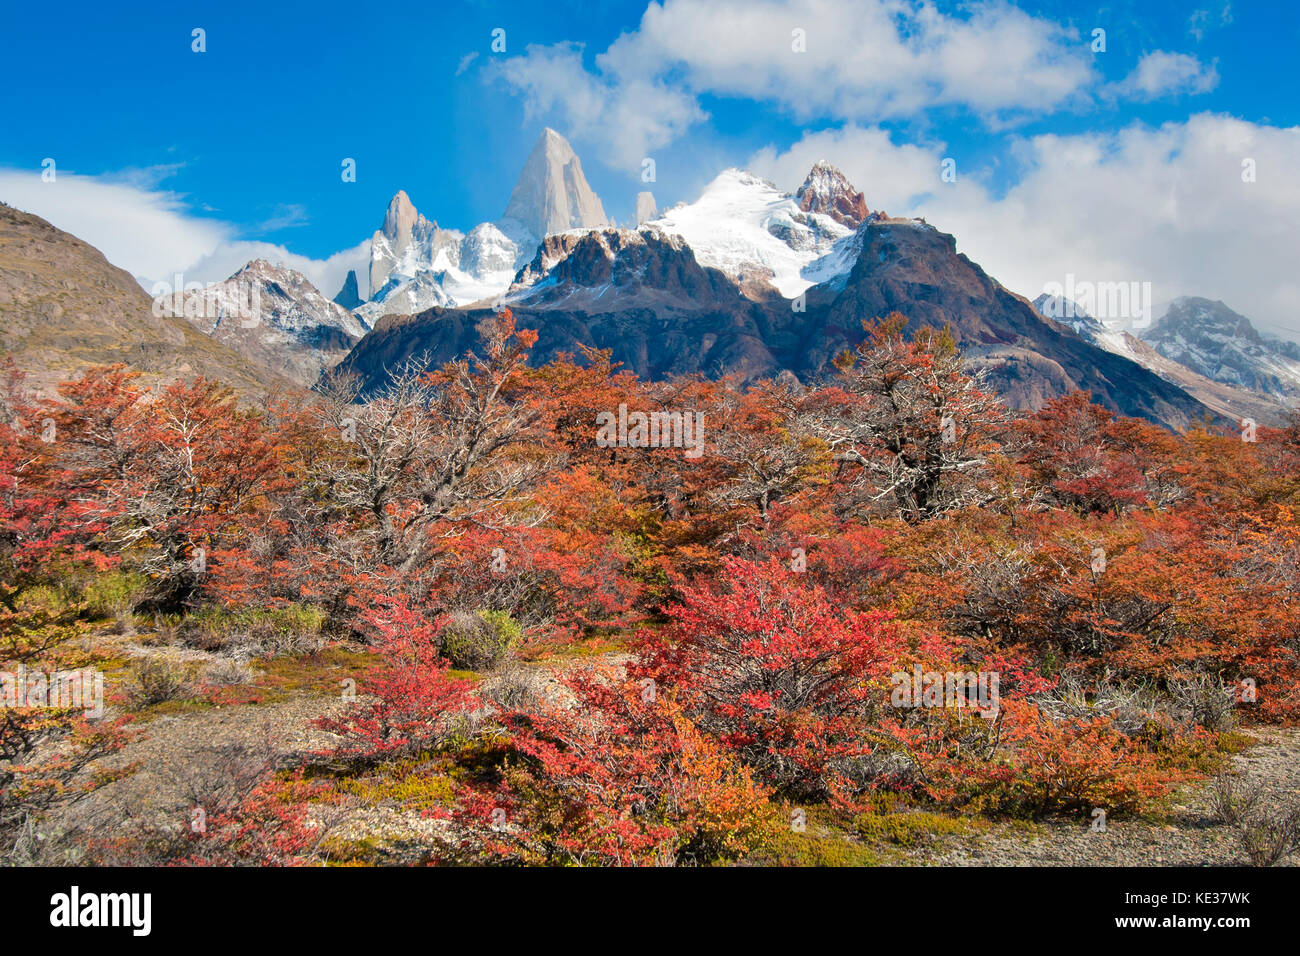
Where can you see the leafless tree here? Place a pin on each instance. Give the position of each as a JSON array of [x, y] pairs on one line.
[[434, 446], [908, 424]]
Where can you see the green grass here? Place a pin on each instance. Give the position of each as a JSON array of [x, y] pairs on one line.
[[912, 828], [415, 784], [319, 673], [811, 848]]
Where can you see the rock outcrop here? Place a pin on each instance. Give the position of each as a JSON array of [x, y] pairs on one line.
[[552, 194], [645, 207], [349, 296], [829, 192]]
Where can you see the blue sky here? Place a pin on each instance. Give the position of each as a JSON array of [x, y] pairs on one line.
[[238, 149]]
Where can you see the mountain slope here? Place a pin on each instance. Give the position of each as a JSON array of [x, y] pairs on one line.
[[914, 269], [274, 317], [664, 309], [1211, 339], [63, 308]]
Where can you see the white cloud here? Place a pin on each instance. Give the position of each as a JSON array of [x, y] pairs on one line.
[[152, 234], [1202, 20], [145, 231], [1165, 205], [628, 116], [869, 59], [286, 216], [1161, 74], [465, 62], [862, 62]]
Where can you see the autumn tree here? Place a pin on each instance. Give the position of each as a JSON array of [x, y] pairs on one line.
[[50, 744], [1087, 459], [766, 440], [159, 478], [454, 443], [910, 431]]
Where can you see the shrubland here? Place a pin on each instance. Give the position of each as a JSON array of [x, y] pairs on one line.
[[582, 654]]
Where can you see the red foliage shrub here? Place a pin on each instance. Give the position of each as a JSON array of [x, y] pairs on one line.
[[790, 682], [618, 776], [1027, 764], [413, 705]]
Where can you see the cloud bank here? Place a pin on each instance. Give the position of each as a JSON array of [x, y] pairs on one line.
[[152, 234], [1204, 207]]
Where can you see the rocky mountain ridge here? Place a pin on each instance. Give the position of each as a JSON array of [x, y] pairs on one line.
[[662, 309], [64, 307], [273, 316]]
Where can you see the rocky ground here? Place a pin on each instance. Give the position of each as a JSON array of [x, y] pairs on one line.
[[1189, 835]]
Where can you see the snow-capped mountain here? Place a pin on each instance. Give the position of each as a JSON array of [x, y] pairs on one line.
[[403, 242], [742, 225], [551, 194], [1230, 400], [1073, 315], [1220, 344], [273, 316], [829, 192], [415, 264], [745, 283], [746, 228]]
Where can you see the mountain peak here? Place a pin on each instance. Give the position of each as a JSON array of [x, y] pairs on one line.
[[828, 191], [401, 219], [274, 316], [349, 296], [1210, 338], [747, 228], [552, 194], [1208, 314], [403, 229]]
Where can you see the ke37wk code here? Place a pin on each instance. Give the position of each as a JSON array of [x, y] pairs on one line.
[[1204, 896]]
